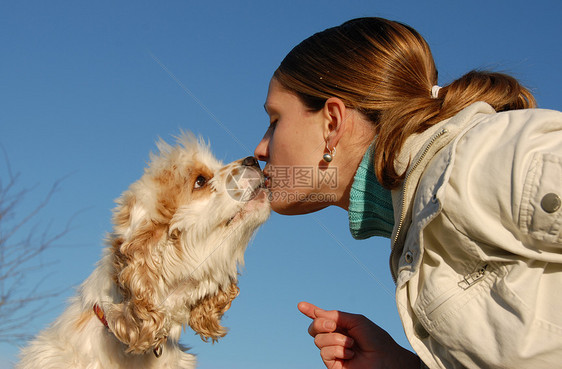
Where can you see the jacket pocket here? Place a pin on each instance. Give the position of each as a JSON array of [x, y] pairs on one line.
[[541, 202], [451, 300]]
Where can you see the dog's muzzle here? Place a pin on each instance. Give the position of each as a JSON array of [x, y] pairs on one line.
[[251, 161]]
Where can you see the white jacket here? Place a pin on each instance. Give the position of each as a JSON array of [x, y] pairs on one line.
[[477, 246]]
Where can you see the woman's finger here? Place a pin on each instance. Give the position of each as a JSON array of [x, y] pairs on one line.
[[333, 339], [333, 353], [308, 309], [321, 325], [343, 320]]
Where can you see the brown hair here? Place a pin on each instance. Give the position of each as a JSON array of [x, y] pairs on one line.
[[384, 69]]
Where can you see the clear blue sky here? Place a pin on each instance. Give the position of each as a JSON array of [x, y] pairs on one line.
[[86, 88]]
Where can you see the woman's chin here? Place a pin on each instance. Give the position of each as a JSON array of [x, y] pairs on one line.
[[295, 205]]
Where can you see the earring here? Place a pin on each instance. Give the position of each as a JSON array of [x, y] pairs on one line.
[[329, 156]]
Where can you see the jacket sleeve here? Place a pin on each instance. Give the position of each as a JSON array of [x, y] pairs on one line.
[[507, 184]]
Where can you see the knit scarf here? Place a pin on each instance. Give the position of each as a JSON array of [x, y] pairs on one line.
[[370, 204]]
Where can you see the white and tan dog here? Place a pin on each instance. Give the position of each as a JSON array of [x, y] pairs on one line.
[[179, 234]]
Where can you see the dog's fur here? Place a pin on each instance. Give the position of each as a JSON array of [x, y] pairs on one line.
[[170, 261]]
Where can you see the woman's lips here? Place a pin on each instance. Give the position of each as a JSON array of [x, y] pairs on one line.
[[267, 178]]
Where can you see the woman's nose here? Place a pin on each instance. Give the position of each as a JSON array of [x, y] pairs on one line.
[[262, 150]]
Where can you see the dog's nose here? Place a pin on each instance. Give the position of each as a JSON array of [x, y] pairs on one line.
[[250, 161]]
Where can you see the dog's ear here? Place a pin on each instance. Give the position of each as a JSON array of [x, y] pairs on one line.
[[205, 317], [139, 320]]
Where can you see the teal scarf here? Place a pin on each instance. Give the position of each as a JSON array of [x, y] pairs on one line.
[[370, 205]]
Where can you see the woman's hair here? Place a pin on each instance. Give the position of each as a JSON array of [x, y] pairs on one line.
[[385, 70]]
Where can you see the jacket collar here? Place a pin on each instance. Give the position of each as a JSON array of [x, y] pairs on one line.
[[417, 152]]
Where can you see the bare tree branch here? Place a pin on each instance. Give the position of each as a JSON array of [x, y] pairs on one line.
[[21, 245]]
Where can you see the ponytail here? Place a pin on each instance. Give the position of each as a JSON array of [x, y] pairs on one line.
[[501, 91]]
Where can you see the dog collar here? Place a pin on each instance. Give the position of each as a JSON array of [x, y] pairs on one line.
[[101, 316]]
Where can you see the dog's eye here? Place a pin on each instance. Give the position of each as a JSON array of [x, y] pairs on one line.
[[200, 182]]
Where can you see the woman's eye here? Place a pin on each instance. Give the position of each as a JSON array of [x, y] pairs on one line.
[[200, 182], [273, 123]]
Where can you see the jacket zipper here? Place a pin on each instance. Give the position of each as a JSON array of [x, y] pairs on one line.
[[403, 210]]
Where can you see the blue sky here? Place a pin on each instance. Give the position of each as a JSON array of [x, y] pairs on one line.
[[86, 88]]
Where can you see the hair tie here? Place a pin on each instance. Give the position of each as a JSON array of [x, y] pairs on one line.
[[435, 92]]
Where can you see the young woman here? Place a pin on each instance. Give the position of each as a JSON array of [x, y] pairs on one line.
[[465, 180]]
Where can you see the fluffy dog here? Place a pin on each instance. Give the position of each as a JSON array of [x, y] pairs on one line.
[[179, 234]]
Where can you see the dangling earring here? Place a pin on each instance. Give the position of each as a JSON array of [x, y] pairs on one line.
[[329, 156]]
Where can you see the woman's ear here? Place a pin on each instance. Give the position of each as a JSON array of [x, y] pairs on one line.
[[335, 113]]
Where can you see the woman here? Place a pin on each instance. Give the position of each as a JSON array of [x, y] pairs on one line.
[[463, 179]]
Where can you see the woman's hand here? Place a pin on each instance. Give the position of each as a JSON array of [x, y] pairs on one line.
[[351, 341]]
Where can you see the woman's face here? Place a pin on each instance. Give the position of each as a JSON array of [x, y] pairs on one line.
[[292, 148]]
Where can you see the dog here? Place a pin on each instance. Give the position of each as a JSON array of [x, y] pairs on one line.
[[179, 235]]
